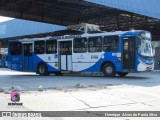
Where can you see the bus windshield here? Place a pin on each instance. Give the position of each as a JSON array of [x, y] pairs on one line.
[[145, 47]]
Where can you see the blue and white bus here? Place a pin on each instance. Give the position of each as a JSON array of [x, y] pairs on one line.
[[4, 57], [112, 53]]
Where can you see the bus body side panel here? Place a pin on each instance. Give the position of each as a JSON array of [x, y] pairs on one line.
[[15, 62], [106, 57], [83, 61], [92, 62], [115, 58], [49, 60]]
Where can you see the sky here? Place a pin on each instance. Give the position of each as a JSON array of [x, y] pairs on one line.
[[2, 19]]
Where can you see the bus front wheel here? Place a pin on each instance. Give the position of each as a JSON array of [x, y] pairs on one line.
[[122, 74], [109, 70], [42, 69]]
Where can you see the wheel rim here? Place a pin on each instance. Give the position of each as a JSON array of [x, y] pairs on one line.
[[109, 70], [41, 69]]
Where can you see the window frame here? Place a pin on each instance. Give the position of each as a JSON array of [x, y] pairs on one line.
[[44, 49], [16, 43], [52, 52], [85, 46], [117, 46], [95, 46]]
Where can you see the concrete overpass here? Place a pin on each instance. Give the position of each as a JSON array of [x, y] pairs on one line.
[[110, 14], [63, 12]]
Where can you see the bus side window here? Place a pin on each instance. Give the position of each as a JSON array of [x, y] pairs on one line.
[[15, 48], [39, 47], [51, 46], [95, 44], [80, 45], [111, 43]]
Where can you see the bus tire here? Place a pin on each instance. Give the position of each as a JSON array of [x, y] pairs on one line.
[[109, 70], [58, 73], [42, 69], [122, 74]]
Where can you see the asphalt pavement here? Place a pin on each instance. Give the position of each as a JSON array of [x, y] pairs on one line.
[[82, 92], [31, 82]]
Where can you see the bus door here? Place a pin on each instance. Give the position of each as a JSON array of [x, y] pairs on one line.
[[27, 57], [65, 56], [129, 53]]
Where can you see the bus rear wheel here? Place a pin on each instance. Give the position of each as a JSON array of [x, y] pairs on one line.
[[42, 69], [109, 70], [122, 74]]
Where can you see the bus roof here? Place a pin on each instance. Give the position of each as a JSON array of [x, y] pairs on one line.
[[132, 32]]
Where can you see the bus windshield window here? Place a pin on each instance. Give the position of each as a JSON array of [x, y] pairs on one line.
[[145, 47], [15, 48], [111, 43], [80, 45]]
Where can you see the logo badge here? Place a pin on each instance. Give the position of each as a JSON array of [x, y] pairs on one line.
[[15, 96]]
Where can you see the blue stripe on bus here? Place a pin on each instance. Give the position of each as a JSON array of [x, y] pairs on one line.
[[108, 57], [37, 60]]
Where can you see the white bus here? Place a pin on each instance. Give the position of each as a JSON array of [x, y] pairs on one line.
[[112, 53]]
